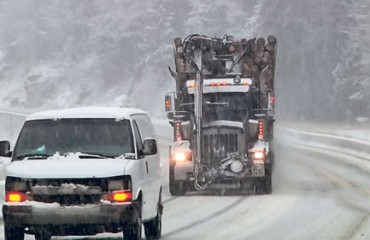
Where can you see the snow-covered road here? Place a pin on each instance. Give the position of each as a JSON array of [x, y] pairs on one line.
[[317, 194]]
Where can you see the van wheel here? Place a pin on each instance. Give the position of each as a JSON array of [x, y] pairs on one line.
[[13, 233], [153, 228], [42, 236], [132, 231], [177, 188]]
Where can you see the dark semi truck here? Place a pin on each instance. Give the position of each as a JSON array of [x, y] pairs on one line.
[[222, 114]]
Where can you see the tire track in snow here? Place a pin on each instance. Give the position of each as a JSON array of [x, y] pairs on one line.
[[337, 182], [169, 200], [341, 182], [207, 218]]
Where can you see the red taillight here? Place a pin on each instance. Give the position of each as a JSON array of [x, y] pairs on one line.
[[178, 132], [218, 84], [16, 197], [272, 101], [260, 130], [168, 103], [119, 196]]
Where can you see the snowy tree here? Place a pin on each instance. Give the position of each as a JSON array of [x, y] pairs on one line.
[[352, 73], [64, 52]]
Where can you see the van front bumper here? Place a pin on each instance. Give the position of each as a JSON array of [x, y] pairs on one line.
[[36, 213]]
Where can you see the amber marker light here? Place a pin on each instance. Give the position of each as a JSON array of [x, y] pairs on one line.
[[121, 196], [15, 197]]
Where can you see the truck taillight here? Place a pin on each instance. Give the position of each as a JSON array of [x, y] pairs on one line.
[[16, 197], [178, 132], [260, 130]]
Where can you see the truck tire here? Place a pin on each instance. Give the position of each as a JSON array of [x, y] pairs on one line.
[[13, 233], [177, 188], [264, 184]]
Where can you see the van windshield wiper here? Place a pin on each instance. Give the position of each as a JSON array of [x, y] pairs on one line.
[[93, 155], [34, 156]]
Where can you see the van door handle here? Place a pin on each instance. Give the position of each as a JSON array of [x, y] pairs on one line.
[[147, 169]]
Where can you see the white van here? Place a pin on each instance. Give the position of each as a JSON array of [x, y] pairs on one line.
[[83, 171]]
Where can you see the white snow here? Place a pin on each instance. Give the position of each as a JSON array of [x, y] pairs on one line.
[[224, 123], [66, 188], [87, 112], [70, 166]]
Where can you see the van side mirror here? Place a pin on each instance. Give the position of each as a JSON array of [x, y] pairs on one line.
[[5, 149], [150, 146]]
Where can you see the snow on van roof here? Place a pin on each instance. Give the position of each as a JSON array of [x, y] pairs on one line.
[[86, 112]]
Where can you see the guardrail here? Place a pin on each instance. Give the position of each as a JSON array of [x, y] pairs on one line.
[[331, 142], [10, 125]]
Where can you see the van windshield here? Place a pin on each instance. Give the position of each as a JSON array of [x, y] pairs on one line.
[[93, 137]]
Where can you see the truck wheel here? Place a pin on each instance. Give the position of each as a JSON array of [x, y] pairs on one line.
[[132, 231], [13, 233], [177, 188], [264, 185]]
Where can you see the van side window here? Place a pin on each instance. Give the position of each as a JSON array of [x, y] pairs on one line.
[[145, 126], [139, 142]]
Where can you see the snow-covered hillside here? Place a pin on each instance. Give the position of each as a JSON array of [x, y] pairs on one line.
[[65, 53]]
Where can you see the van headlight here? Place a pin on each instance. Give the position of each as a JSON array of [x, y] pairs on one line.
[[119, 183], [116, 184]]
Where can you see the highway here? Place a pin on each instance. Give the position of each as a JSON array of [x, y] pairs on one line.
[[318, 193]]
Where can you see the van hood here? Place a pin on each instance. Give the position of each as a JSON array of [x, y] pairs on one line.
[[68, 168]]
